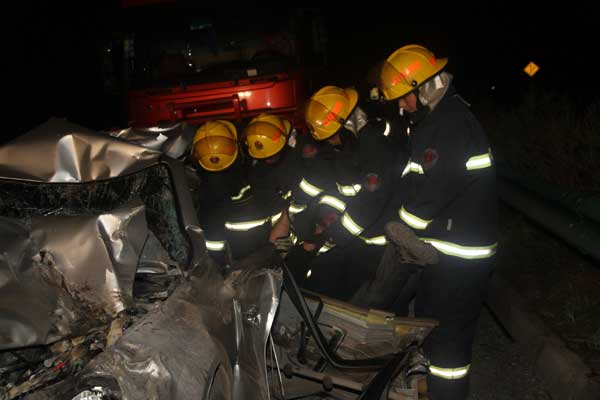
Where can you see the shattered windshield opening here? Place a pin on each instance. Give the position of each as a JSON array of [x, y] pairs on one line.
[[24, 200]]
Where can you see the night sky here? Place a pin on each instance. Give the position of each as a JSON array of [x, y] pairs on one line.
[[55, 56]]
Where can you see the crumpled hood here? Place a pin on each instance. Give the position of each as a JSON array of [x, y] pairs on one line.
[[61, 151]]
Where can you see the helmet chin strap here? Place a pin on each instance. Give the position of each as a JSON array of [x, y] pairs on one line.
[[356, 121]]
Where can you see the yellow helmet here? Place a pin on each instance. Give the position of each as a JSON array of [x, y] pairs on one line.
[[266, 135], [328, 109], [407, 68], [215, 145]]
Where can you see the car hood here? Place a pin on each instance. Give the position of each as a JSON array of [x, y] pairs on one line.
[[61, 151]]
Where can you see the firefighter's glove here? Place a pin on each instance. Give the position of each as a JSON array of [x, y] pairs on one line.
[[409, 248], [283, 244]]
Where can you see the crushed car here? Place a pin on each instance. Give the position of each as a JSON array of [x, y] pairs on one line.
[[108, 291]]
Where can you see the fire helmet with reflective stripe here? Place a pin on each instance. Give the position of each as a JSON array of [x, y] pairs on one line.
[[266, 135], [215, 145], [407, 69], [328, 109]]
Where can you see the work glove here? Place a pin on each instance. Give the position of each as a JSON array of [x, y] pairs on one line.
[[409, 248], [283, 244]]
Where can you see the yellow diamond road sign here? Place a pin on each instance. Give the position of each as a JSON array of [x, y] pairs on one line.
[[531, 69]]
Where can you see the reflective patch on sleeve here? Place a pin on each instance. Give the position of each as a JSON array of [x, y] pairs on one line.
[[333, 202], [215, 245], [349, 190], [287, 195], [377, 240], [275, 218], [326, 247], [450, 373], [246, 225], [412, 167], [309, 188], [479, 162], [406, 169], [296, 208], [412, 220], [466, 252], [386, 132], [241, 193], [350, 225]]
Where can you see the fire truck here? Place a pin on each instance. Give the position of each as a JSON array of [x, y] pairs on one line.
[[181, 63]]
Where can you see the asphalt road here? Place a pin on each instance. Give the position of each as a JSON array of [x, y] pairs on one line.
[[502, 368]]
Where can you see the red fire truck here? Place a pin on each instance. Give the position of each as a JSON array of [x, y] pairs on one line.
[[186, 64]]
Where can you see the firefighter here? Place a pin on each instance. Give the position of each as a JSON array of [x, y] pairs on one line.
[[232, 223], [450, 203], [346, 185], [273, 172]]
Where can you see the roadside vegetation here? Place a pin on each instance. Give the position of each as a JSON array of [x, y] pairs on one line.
[[547, 136]]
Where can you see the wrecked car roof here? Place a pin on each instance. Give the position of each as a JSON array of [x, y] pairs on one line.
[[61, 151]]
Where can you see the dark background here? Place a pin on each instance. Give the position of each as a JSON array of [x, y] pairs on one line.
[[55, 68]]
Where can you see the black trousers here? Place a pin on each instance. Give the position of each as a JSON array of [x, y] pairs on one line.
[[451, 292], [341, 271]]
